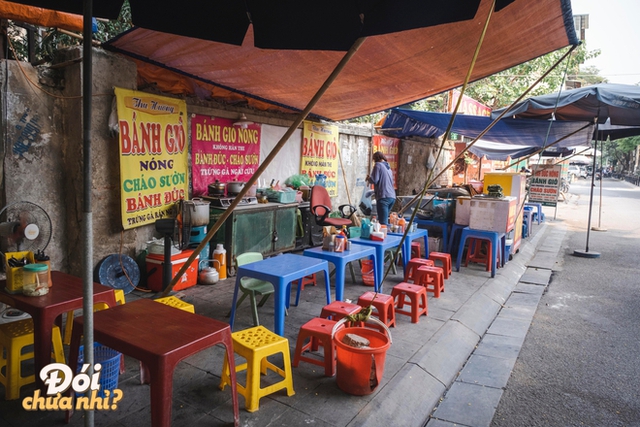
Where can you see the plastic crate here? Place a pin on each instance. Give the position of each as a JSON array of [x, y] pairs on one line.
[[110, 372], [282, 196]]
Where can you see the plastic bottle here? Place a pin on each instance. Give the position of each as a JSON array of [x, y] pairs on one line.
[[401, 224], [220, 254]]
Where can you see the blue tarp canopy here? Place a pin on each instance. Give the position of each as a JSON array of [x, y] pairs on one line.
[[510, 137]]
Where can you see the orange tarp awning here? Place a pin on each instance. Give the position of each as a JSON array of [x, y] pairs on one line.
[[40, 16]]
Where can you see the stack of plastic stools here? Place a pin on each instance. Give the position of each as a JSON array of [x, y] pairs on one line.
[[14, 337], [432, 278], [413, 265], [417, 295], [445, 259], [339, 309], [256, 345], [383, 304], [416, 251], [318, 331], [176, 303]]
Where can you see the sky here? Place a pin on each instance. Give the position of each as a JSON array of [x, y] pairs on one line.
[[614, 28]]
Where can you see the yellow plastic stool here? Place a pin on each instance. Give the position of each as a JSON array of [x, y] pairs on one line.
[[255, 345], [68, 326], [177, 303], [14, 336]]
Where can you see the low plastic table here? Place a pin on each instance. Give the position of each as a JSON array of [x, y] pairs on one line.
[[159, 336], [340, 260], [281, 271], [406, 245], [444, 226], [65, 294], [381, 246]]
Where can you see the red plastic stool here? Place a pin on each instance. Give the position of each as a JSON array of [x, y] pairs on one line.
[[338, 310], [476, 254], [385, 309], [416, 252], [445, 259], [417, 300], [318, 331], [432, 278], [308, 280], [413, 265]]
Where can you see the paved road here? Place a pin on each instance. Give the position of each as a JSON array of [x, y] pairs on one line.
[[580, 363]]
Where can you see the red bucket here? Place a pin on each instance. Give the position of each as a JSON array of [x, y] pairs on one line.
[[367, 272], [359, 370]]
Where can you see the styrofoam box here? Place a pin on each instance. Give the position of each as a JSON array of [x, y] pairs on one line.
[[463, 210], [492, 214]]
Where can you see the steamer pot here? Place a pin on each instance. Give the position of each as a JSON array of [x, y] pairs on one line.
[[234, 187], [217, 188], [199, 210]]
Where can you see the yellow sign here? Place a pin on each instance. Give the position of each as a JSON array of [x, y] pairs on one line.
[[320, 154], [153, 156]]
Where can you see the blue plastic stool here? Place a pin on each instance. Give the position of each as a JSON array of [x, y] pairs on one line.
[[498, 243], [538, 215]]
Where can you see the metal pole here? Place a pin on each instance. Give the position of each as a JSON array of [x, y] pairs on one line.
[[586, 253], [87, 273], [599, 227]]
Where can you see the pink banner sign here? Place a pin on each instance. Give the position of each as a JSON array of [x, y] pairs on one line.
[[221, 151]]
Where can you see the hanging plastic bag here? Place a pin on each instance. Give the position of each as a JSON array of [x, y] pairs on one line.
[[365, 202]]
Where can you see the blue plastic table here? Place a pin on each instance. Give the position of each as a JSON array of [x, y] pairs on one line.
[[406, 245], [340, 260], [497, 242], [381, 246], [444, 226], [281, 271]]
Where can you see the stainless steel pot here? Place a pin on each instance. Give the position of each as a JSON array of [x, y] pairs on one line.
[[234, 187], [217, 188], [199, 212]]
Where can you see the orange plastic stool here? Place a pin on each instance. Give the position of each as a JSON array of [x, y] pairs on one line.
[[417, 300], [445, 259], [416, 252], [339, 309], [318, 331], [385, 309], [413, 265], [432, 278]]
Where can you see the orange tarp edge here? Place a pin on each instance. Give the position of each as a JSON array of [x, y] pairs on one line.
[[40, 16]]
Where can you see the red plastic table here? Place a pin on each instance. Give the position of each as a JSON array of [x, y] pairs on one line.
[[159, 336], [64, 295]]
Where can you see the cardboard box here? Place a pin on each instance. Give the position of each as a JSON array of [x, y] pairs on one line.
[[155, 270], [14, 274]]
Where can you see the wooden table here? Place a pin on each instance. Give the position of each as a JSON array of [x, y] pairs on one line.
[[159, 336], [341, 259], [64, 295], [281, 271]]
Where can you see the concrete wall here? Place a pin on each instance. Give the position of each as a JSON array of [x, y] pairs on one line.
[[43, 144]]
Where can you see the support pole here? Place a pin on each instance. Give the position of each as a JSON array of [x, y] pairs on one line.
[[599, 227], [586, 253]]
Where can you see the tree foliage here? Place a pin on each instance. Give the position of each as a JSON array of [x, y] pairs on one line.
[[619, 152], [49, 40]]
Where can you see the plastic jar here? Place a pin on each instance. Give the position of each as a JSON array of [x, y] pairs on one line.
[[36, 279], [220, 255]]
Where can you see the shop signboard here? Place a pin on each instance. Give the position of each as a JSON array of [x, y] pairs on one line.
[[153, 156], [388, 147], [221, 151], [544, 184], [320, 154]]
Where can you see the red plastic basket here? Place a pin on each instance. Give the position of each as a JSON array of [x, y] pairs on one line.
[[367, 272]]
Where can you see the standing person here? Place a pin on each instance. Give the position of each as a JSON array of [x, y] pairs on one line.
[[382, 179]]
